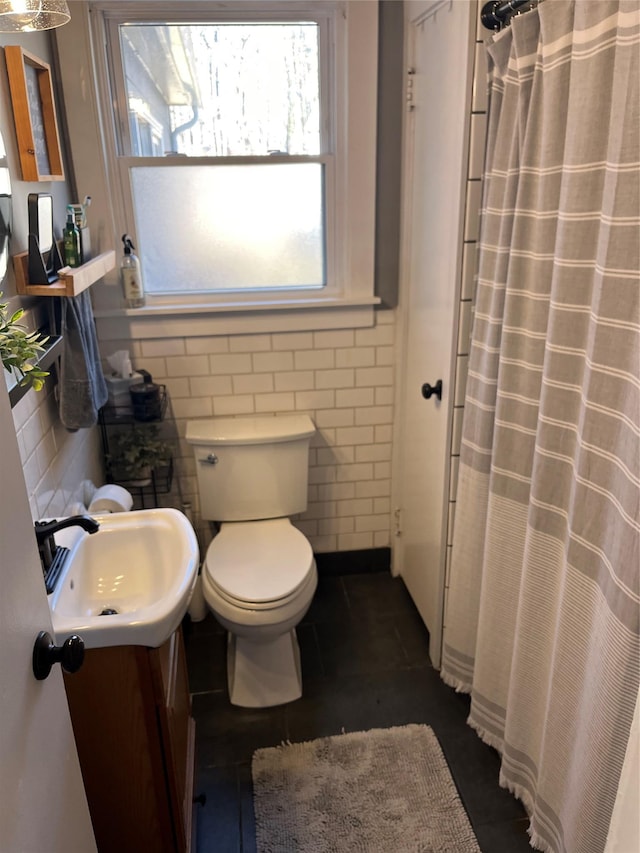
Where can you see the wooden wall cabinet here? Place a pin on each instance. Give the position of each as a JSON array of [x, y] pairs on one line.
[[131, 713]]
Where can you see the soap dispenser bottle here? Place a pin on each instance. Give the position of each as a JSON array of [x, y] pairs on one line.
[[71, 240], [131, 275]]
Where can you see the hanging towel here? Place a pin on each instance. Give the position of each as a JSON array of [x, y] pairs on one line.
[[83, 390]]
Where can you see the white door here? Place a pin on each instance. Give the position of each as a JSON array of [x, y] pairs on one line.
[[43, 808], [438, 51]]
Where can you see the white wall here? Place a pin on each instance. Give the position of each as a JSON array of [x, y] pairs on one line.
[[343, 379], [55, 462], [624, 832], [227, 364], [477, 136]]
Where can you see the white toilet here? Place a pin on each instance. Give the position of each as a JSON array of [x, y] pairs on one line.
[[259, 575]]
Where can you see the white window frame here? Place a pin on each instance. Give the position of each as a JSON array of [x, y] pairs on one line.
[[347, 151]]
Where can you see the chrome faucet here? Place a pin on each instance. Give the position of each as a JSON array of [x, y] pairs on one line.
[[45, 530]]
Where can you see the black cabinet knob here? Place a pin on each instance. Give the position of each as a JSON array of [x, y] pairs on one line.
[[430, 390], [69, 655]]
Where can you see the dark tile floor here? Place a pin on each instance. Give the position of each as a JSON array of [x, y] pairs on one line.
[[365, 665]]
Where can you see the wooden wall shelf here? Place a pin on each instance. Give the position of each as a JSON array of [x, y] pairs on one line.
[[72, 280]]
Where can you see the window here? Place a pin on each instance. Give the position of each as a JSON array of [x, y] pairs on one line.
[[237, 148], [247, 97]]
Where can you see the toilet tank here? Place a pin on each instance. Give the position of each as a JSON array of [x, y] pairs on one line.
[[251, 468]]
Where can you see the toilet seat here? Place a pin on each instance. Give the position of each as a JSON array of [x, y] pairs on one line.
[[259, 565]]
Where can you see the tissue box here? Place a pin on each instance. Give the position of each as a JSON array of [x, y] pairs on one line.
[[118, 388]]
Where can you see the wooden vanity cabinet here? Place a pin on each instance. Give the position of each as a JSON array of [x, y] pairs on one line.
[[131, 713]]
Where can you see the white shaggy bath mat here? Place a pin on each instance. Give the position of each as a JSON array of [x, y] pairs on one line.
[[381, 791]]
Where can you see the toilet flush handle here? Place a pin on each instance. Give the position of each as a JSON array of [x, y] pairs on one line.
[[210, 459]]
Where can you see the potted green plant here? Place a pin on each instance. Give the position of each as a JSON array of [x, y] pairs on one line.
[[136, 452], [18, 346]]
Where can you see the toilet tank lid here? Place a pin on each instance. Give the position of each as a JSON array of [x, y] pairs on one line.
[[249, 430]]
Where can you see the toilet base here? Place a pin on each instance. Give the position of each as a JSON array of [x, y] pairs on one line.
[[260, 675]]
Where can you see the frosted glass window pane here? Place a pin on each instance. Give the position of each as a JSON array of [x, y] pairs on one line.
[[203, 228], [219, 90]]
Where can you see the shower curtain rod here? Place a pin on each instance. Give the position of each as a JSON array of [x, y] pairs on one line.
[[496, 13]]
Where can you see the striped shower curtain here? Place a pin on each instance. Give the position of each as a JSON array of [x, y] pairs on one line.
[[543, 606]]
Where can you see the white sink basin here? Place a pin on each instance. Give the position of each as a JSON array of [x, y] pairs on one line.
[[142, 565]]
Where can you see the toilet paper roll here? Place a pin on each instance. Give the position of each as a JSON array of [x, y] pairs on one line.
[[111, 498]]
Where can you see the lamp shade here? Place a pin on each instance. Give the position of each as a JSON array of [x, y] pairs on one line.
[[25, 16]]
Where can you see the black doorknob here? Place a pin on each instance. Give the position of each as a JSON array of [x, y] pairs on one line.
[[45, 653], [429, 390]]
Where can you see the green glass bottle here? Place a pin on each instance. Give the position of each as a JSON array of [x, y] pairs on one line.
[[71, 237]]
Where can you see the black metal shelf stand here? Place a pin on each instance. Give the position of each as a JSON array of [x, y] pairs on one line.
[[114, 418]]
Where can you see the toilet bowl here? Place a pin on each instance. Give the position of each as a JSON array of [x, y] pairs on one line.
[[259, 574], [259, 578]]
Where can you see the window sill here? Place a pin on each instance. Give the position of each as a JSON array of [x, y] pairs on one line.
[[205, 319]]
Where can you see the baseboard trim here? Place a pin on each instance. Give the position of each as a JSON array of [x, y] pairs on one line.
[[354, 562]]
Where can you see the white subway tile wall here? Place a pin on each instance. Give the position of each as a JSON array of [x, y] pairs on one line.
[[478, 125], [477, 145], [480, 91], [472, 210], [469, 266], [56, 463], [343, 379]]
